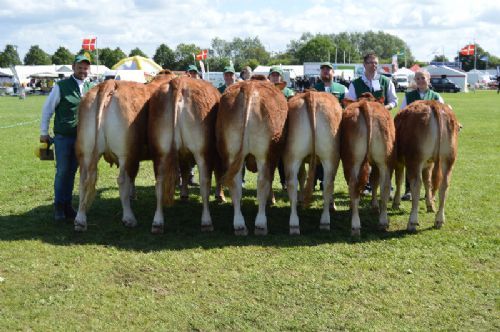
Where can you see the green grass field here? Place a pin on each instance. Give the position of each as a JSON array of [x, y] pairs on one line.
[[114, 279]]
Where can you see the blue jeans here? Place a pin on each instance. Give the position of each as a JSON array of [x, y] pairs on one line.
[[66, 166]]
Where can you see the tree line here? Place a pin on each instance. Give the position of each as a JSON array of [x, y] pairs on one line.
[[344, 47]]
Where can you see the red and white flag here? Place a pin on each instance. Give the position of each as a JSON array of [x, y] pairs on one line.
[[468, 50], [202, 55], [88, 44]]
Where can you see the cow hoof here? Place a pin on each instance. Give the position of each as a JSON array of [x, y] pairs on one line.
[[294, 230], [184, 198], [207, 228], [430, 208], [220, 199], [438, 224], [80, 227], [412, 227], [129, 223], [356, 233], [395, 206], [241, 232], [157, 229], [324, 227], [260, 231]]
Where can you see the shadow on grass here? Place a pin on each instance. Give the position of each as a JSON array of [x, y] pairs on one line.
[[182, 224]]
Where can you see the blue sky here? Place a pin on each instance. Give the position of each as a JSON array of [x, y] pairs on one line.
[[427, 26]]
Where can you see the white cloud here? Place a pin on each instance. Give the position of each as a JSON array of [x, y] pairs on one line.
[[425, 26]]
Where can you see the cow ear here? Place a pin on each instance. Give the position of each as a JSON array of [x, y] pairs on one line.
[[346, 102]]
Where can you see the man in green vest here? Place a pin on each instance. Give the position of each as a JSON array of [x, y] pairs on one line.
[[276, 76], [229, 78], [193, 72], [371, 81], [327, 84], [63, 101]]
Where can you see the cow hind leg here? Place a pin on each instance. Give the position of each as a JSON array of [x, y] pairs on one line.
[[263, 189], [292, 183], [374, 182], [443, 190], [158, 221], [88, 180], [204, 179], [239, 225], [398, 174], [385, 188], [124, 183], [415, 183], [429, 195], [354, 195], [324, 222]]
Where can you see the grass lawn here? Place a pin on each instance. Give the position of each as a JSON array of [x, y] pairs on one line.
[[113, 278]]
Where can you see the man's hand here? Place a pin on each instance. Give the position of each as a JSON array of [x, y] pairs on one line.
[[388, 107], [45, 139]]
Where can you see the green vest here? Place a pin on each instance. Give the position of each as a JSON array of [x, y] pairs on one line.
[[336, 89], [66, 113], [222, 88], [360, 87], [288, 92], [415, 95]]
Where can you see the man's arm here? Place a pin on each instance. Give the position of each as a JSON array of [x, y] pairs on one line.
[[47, 111], [392, 96]]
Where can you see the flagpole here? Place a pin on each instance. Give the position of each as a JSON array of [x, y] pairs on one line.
[[97, 55]]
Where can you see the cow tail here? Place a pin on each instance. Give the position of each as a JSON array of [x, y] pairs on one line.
[[171, 167], [311, 113], [436, 171], [243, 100], [364, 171]]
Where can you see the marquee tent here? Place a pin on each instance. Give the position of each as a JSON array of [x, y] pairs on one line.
[[456, 76], [137, 62]]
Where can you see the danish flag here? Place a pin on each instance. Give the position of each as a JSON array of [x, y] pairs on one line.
[[88, 44], [203, 55], [468, 50]]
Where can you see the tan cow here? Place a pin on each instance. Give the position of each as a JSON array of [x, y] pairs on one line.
[[112, 122], [250, 125], [313, 130], [182, 128], [367, 139], [427, 137]]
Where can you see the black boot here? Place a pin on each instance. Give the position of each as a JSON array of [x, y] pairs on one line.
[[59, 212], [69, 212]]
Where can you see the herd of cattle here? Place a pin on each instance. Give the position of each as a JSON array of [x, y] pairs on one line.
[[179, 121]]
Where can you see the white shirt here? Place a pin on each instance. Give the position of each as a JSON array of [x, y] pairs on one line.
[[375, 86], [422, 94], [50, 105]]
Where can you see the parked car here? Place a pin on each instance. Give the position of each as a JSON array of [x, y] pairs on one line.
[[400, 83], [443, 85]]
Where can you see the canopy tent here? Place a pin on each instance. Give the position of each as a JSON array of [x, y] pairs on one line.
[[475, 76], [456, 76], [47, 74], [137, 62], [126, 75]]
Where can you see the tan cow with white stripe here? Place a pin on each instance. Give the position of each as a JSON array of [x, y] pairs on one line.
[[427, 138], [112, 121], [250, 126], [313, 131]]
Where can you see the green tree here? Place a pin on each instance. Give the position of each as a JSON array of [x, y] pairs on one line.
[[109, 57], [137, 51], [9, 56], [248, 49], [319, 48], [184, 55], [385, 46], [62, 56], [36, 56], [164, 56]]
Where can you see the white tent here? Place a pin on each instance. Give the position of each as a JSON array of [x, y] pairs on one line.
[[456, 76], [136, 62], [478, 76], [126, 75], [293, 70], [404, 72]]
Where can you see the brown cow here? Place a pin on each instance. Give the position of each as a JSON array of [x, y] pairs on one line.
[[313, 130], [112, 122], [367, 139], [250, 125], [426, 140], [182, 127]]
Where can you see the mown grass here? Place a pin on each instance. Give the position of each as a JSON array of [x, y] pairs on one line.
[[114, 278]]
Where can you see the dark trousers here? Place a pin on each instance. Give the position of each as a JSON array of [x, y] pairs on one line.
[[66, 166]]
